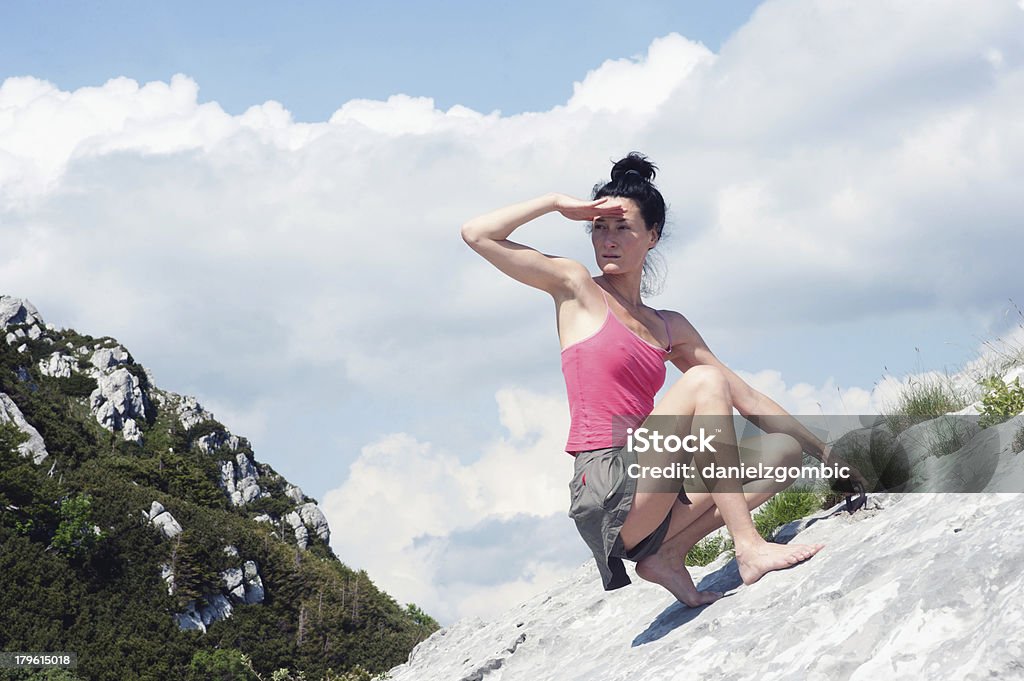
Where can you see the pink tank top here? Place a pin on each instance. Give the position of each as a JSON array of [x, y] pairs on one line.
[[611, 373]]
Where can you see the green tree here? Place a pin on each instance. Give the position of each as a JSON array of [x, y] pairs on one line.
[[219, 665], [75, 535]]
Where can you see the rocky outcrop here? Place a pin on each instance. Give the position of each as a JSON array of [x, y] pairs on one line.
[[58, 365], [918, 584], [307, 517], [294, 493], [117, 400], [240, 586], [190, 412], [105, 358], [239, 480], [219, 439], [244, 584], [314, 519], [17, 311], [33, 447], [199, 617], [294, 521], [161, 519]]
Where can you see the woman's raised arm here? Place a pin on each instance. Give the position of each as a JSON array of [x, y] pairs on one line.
[[488, 236]]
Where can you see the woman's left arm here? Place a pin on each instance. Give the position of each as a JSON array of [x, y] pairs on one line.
[[690, 350]]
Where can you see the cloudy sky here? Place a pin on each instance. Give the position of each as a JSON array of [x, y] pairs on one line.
[[263, 206]]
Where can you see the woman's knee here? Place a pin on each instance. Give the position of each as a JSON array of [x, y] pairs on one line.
[[706, 379]]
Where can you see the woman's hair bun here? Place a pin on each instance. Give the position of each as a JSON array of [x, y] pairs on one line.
[[634, 163]]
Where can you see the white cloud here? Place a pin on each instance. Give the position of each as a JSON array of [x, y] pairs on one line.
[[806, 399], [641, 84], [401, 491], [404, 115]]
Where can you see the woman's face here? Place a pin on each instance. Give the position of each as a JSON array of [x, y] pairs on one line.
[[621, 243]]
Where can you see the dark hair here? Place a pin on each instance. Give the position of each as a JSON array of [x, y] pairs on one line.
[[632, 179]]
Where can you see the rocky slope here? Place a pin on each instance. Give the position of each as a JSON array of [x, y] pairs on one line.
[[126, 478], [922, 584]]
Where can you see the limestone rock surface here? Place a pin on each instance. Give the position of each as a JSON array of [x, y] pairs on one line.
[[921, 584], [315, 519], [117, 398], [58, 365], [240, 480], [163, 520], [34, 446], [18, 311]]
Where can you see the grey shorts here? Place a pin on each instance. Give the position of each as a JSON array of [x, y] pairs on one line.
[[601, 494]]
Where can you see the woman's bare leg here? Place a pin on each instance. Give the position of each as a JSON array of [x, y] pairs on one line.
[[691, 523], [701, 399]]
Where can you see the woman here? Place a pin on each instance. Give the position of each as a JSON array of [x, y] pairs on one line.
[[614, 349]]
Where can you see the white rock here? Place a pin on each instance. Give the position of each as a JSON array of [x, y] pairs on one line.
[[34, 331], [238, 479], [230, 550], [233, 582], [190, 619], [217, 608], [23, 348], [913, 582], [58, 365], [17, 311], [1014, 374], [244, 584], [294, 493], [131, 431], [301, 533], [117, 397], [167, 574], [191, 413], [262, 518], [34, 446], [254, 592], [155, 509], [211, 442], [104, 358], [313, 517], [10, 338], [166, 523]]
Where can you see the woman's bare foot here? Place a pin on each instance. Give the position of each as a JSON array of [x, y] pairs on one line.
[[760, 557], [677, 580]]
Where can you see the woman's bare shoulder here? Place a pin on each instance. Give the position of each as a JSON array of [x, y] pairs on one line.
[[677, 320], [686, 341]]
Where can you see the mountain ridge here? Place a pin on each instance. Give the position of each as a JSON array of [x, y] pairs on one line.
[[106, 462]]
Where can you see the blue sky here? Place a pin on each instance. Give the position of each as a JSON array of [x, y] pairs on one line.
[[314, 56], [275, 228]]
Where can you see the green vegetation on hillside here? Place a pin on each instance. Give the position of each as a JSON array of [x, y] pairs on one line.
[[80, 568]]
